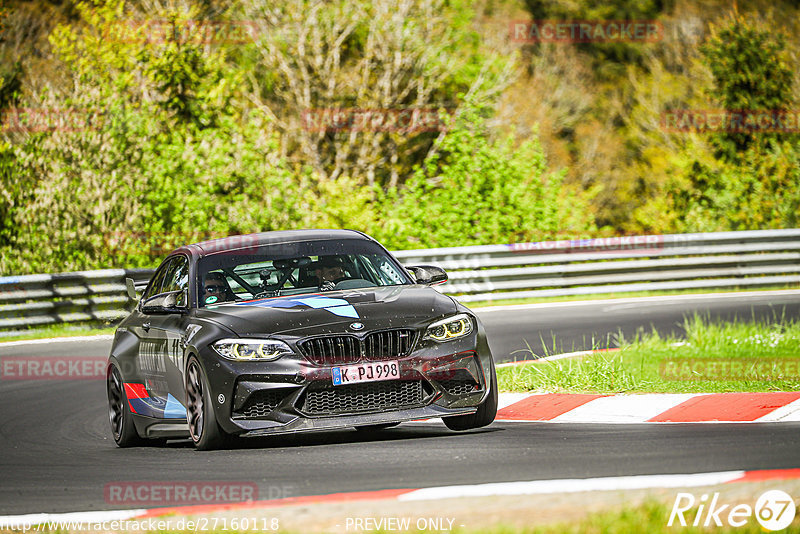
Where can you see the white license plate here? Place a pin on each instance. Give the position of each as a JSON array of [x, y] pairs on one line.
[[365, 372]]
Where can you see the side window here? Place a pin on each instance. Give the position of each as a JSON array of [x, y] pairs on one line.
[[157, 281], [177, 278]]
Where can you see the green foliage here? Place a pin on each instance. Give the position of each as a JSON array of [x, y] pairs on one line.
[[10, 86], [195, 139], [609, 59], [164, 158], [760, 192], [752, 73], [174, 150], [742, 180], [475, 190], [388, 58], [8, 198]]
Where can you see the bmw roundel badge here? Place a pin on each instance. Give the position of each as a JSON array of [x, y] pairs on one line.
[[356, 326]]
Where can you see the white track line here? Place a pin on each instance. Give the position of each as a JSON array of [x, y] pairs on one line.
[[785, 414], [507, 399], [624, 408], [534, 487], [538, 487]]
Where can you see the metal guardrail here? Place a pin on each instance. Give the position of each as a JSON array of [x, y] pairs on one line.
[[85, 296], [481, 273], [617, 264]]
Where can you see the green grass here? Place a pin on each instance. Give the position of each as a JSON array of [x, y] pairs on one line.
[[632, 294], [722, 357], [650, 517], [60, 330]]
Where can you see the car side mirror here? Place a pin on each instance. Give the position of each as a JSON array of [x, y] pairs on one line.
[[428, 275], [130, 288], [169, 302]]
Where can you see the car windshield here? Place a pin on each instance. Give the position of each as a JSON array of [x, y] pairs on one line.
[[294, 269]]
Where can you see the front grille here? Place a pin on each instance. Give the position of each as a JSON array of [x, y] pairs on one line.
[[332, 350], [364, 397], [347, 349], [460, 384], [388, 344], [260, 404]]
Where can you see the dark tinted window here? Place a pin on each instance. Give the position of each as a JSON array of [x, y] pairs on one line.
[[296, 268], [177, 278], [154, 288]]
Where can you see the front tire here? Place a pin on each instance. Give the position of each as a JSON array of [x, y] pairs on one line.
[[119, 413], [485, 414], [203, 427]]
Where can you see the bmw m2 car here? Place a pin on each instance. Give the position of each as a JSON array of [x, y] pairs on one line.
[[294, 331]]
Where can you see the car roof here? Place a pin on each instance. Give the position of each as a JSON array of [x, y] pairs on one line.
[[238, 242]]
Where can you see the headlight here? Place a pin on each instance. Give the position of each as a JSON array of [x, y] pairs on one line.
[[450, 328], [251, 349]]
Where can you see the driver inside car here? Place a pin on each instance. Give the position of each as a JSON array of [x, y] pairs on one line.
[[216, 289], [329, 271]]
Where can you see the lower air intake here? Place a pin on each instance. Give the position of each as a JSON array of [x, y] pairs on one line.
[[259, 404], [364, 397]]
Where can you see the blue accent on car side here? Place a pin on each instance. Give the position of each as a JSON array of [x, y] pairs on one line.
[[174, 409], [159, 407], [339, 307]]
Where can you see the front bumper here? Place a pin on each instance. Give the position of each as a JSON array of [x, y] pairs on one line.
[[302, 424], [293, 395]]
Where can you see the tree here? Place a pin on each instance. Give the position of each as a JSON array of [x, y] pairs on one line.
[[384, 57], [751, 73], [477, 190], [751, 179]]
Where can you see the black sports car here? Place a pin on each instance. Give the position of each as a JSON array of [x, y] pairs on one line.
[[292, 331]]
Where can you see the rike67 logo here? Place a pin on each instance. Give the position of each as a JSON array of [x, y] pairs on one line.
[[774, 510]]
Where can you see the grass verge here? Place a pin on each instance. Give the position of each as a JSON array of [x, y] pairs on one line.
[[713, 358], [60, 330], [650, 517]]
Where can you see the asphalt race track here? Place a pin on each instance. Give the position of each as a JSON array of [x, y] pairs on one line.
[[56, 453]]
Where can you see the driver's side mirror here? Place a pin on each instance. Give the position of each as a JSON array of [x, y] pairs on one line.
[[169, 302], [428, 275], [130, 288]]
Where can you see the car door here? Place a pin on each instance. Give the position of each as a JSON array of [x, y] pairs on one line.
[[161, 348]]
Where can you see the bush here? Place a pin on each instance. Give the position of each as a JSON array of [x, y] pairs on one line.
[[475, 190]]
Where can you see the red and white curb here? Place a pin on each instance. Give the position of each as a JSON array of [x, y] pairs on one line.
[[769, 407], [533, 487]]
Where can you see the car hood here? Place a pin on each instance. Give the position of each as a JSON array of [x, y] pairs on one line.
[[310, 314]]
